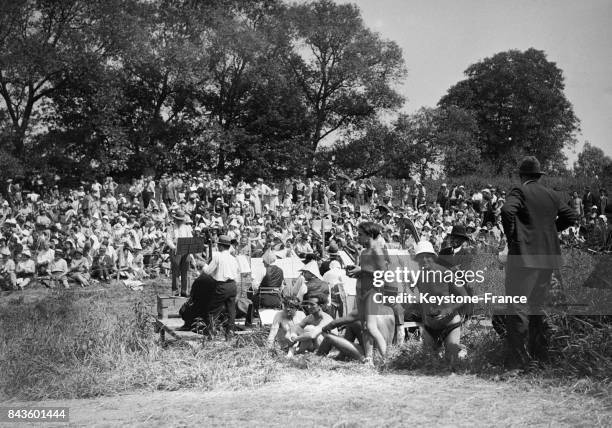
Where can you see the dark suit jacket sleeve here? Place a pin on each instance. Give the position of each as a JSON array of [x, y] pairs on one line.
[[514, 202]]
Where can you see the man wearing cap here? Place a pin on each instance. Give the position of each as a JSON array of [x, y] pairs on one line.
[[178, 262], [532, 216], [223, 268]]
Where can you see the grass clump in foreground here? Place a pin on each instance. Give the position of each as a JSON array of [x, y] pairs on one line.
[[70, 346], [580, 356]]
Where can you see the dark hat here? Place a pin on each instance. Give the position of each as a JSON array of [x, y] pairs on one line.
[[225, 240], [332, 248], [530, 165], [460, 232]]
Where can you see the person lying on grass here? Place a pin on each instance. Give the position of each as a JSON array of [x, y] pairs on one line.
[[285, 325], [441, 321], [385, 322], [312, 325]]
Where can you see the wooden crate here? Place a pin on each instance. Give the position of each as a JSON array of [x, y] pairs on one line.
[[168, 306]]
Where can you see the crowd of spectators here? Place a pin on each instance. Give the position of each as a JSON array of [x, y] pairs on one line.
[[101, 231]]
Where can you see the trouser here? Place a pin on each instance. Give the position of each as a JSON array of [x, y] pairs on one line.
[[146, 199], [524, 325], [224, 299], [179, 267]]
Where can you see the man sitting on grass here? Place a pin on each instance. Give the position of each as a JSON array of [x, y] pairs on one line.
[[285, 325], [441, 322], [312, 325]]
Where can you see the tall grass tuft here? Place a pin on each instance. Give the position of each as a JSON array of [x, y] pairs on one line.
[[69, 346]]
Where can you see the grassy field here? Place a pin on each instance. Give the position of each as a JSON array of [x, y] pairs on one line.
[[80, 343]]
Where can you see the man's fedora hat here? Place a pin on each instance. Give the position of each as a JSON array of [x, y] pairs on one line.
[[460, 232], [179, 215], [225, 240], [530, 165]]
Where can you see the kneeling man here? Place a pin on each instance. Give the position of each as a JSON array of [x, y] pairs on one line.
[[441, 320]]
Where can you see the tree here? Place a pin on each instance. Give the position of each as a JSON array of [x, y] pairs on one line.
[[376, 151], [520, 107], [43, 45], [410, 145], [592, 163], [344, 71], [457, 136], [419, 134]]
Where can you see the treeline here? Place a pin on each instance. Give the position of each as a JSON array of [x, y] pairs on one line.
[[256, 88]]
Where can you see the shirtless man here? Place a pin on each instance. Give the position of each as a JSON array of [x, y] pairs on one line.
[[312, 326], [346, 345], [285, 325], [441, 322]]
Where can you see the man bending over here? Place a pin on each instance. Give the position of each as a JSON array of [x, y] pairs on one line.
[[346, 345]]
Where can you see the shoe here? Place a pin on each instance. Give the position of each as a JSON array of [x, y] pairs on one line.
[[184, 295]]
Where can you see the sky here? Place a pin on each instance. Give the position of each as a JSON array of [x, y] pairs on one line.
[[441, 38]]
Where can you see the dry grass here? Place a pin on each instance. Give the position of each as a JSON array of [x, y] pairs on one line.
[[70, 344]]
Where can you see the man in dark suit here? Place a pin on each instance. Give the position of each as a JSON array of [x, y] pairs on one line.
[[532, 216]]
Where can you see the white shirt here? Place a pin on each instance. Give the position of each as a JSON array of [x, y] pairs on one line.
[[175, 231], [223, 267]]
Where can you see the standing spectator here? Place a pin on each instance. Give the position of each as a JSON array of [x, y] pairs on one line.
[[532, 217], [588, 200], [148, 192], [415, 195], [603, 201], [179, 262], [442, 197], [576, 204]]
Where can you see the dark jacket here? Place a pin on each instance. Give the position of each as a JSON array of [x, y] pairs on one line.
[[532, 216]]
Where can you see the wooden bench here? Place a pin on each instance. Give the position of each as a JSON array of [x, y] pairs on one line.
[[169, 322]]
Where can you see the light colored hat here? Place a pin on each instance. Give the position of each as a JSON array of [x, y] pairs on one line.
[[179, 215], [313, 268], [424, 247]]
